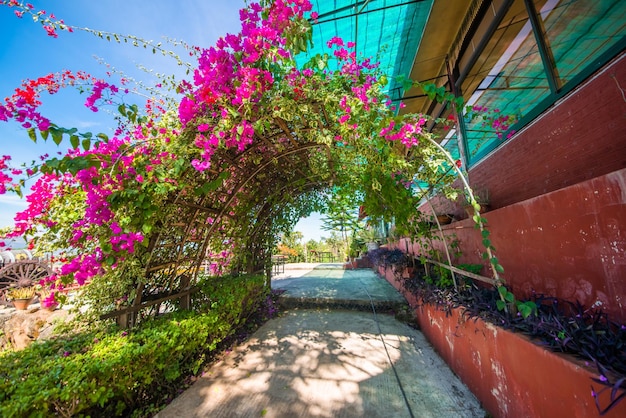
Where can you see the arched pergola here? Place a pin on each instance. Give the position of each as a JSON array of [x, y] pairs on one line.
[[254, 135], [237, 204]]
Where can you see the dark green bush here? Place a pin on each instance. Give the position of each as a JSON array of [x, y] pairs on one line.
[[111, 373]]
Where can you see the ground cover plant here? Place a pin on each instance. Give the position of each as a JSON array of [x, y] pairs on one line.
[[115, 372], [560, 326]]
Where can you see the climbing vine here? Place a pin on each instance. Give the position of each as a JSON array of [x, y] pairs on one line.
[[110, 203]]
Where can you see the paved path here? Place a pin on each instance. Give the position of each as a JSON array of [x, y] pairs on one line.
[[329, 363], [329, 285]]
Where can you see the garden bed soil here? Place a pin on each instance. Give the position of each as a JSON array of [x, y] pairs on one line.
[[509, 374]]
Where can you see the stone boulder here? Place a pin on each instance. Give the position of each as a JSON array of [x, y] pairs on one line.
[[20, 328]]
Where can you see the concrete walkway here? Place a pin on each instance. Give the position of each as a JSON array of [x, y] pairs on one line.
[[329, 285], [321, 362]]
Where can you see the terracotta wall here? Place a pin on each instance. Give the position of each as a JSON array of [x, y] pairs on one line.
[[570, 243], [558, 193]]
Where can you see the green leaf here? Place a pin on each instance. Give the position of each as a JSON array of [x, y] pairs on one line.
[[32, 134], [57, 136], [499, 268], [103, 137], [525, 310], [502, 290], [53, 163], [86, 144], [74, 141], [110, 260], [501, 305]]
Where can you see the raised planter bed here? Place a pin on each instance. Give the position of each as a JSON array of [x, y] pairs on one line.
[[510, 374]]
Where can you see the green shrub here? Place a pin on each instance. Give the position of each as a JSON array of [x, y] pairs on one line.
[[110, 373]]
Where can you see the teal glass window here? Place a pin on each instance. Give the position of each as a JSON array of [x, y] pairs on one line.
[[578, 32], [529, 64], [507, 80]]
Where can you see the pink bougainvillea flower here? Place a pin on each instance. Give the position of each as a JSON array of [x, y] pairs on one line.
[[335, 41]]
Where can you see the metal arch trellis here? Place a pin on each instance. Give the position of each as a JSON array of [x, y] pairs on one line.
[[189, 241], [268, 210], [193, 241], [245, 182], [298, 190], [283, 130], [177, 251]]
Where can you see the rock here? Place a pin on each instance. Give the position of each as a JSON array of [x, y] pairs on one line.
[[23, 327]]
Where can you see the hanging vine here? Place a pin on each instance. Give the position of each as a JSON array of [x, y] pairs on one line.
[[174, 187]]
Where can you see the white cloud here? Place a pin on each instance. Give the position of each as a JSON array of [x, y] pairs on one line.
[[12, 200], [9, 206]]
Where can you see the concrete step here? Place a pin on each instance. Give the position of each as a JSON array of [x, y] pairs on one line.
[[333, 288]]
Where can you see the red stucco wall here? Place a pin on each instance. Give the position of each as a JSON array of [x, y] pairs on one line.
[[570, 243], [558, 196]]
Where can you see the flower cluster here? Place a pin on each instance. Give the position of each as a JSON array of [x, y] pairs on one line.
[[492, 119], [23, 105], [219, 262], [231, 78], [84, 267], [408, 132], [43, 192], [5, 179], [96, 94], [49, 22]]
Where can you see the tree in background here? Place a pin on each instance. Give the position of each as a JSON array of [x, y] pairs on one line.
[[290, 245], [342, 217], [333, 244]]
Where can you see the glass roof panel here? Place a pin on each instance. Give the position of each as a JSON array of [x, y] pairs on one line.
[[388, 31]]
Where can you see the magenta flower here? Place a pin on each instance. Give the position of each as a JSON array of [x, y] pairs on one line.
[[335, 41]]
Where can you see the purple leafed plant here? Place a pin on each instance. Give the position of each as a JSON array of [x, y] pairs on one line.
[[560, 326]]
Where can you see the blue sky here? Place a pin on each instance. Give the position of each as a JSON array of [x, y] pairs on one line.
[[27, 52]]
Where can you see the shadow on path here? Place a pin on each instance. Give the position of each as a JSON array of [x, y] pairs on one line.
[[321, 363]]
